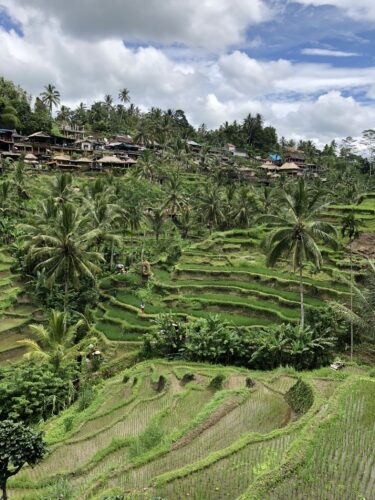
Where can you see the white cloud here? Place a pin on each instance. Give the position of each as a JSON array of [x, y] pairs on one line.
[[211, 24], [363, 10], [328, 53], [211, 89], [330, 116]]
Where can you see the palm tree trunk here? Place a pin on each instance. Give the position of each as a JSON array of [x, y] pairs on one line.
[[351, 305], [301, 298], [66, 289], [112, 250]]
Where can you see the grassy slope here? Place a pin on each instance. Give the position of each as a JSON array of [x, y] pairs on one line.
[[14, 315], [236, 285], [190, 440]]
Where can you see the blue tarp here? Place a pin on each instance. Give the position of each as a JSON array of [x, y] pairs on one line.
[[274, 157]]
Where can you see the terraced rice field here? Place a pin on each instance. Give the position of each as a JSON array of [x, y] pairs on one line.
[[190, 441], [15, 314], [226, 275]]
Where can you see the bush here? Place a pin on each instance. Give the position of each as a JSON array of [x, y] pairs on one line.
[[150, 438], [29, 392], [86, 397], [188, 377], [300, 397], [211, 340], [168, 339], [68, 423], [217, 382]]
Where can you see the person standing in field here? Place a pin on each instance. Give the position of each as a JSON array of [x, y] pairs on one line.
[[142, 307]]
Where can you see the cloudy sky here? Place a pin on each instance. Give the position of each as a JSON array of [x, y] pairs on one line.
[[307, 65]]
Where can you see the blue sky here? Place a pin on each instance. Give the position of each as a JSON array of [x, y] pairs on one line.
[[308, 66]]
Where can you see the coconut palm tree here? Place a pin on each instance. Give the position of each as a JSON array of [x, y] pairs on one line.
[[175, 197], [108, 100], [64, 115], [61, 187], [104, 215], [63, 250], [243, 208], [350, 228], [50, 96], [51, 344], [156, 221], [147, 166], [297, 232], [124, 95], [210, 205], [363, 313]]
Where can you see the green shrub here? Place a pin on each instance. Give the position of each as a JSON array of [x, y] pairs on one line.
[[149, 439], [30, 392], [161, 383], [217, 382], [300, 397], [86, 397], [188, 377], [68, 423], [249, 382]]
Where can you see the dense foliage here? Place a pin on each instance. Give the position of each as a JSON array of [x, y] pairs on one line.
[[30, 392], [19, 445], [213, 341]]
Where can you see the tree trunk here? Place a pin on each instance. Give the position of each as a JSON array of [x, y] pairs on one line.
[[351, 305], [4, 491], [112, 250], [65, 301], [301, 298]]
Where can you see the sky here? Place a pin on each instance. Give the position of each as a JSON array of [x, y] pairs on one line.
[[308, 66]]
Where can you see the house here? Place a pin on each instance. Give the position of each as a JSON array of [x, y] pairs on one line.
[[110, 162], [274, 158], [63, 162], [290, 168], [85, 144], [195, 147], [295, 156], [231, 148], [6, 139], [240, 154], [73, 132]]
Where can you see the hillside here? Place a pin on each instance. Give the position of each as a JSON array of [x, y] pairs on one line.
[[226, 274], [175, 430]]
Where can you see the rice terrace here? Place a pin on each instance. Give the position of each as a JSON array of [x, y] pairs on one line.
[[187, 262]]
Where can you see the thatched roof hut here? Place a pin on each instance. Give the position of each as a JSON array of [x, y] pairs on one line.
[[268, 166], [289, 166], [30, 157], [111, 160], [61, 158]]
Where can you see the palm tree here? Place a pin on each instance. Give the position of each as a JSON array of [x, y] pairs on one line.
[[124, 95], [175, 197], [243, 208], [108, 101], [61, 187], [298, 232], [50, 96], [63, 250], [350, 228], [146, 167], [64, 115], [51, 344], [104, 215], [156, 221], [210, 205], [363, 314], [185, 221]]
